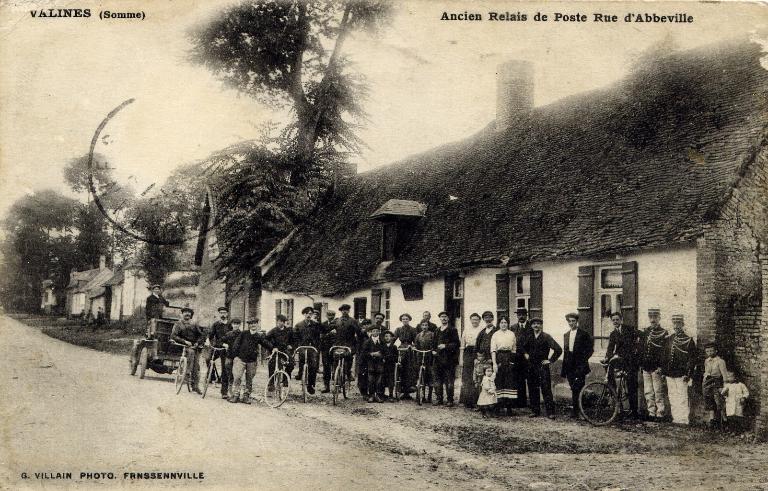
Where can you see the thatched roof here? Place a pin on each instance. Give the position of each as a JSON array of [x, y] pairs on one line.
[[645, 163]]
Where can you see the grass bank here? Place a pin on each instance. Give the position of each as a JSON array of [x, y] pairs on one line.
[[113, 338]]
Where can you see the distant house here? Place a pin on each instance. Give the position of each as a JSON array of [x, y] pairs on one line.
[[86, 292], [651, 193], [127, 290]]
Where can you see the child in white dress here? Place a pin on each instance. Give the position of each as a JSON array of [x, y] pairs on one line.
[[486, 401], [735, 394]]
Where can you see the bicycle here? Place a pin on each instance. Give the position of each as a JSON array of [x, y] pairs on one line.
[[211, 369], [182, 376], [279, 381], [600, 402], [339, 354], [305, 368], [398, 372], [421, 382]]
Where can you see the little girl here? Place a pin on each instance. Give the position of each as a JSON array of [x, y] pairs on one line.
[[487, 399]]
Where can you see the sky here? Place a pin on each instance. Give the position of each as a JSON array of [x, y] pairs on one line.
[[432, 81]]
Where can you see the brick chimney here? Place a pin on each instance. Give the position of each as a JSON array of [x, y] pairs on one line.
[[514, 91]]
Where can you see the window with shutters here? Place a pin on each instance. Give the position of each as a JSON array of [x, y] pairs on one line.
[[285, 307], [360, 307], [608, 299], [521, 289], [458, 288]]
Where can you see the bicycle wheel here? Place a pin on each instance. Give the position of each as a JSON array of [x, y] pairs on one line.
[[598, 403], [344, 381], [337, 381], [279, 381], [181, 373], [208, 376], [397, 382], [420, 388], [304, 375]]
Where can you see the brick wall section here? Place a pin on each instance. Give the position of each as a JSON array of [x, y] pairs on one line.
[[730, 291], [761, 424]]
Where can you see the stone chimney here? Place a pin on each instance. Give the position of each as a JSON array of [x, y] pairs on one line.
[[102, 262], [514, 91]]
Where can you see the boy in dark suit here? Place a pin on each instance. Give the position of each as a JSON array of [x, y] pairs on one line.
[[577, 348], [390, 360], [373, 355]]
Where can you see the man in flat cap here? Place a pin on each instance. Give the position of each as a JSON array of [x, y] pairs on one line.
[[327, 341], [347, 332], [447, 344], [522, 330], [653, 340], [406, 333], [678, 366], [623, 344], [219, 329], [282, 338], [155, 303], [190, 335], [308, 334], [577, 349], [245, 349]]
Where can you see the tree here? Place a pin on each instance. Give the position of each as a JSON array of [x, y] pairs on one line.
[[288, 54]]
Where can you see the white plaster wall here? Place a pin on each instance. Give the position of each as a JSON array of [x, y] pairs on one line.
[[117, 300]]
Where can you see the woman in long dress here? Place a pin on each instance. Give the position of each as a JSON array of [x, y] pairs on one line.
[[469, 392], [503, 354]]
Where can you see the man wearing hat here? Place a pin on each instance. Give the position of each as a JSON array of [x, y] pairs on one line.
[[444, 366], [427, 316], [483, 342], [407, 335], [282, 338], [219, 329], [623, 343], [522, 330], [373, 358], [155, 303], [577, 349], [327, 341], [536, 348], [308, 332], [347, 332], [653, 340], [245, 349], [678, 366], [191, 336]]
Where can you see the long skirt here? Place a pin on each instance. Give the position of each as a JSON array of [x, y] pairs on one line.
[[507, 378], [469, 394]]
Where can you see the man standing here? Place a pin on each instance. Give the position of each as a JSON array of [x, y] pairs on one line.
[[191, 336], [536, 348], [446, 358], [378, 322], [483, 342], [347, 332], [155, 303], [522, 330], [427, 316], [373, 357], [678, 365], [246, 353], [653, 340], [407, 335], [327, 340], [219, 330], [623, 347], [308, 333], [522, 327], [281, 337], [578, 348]]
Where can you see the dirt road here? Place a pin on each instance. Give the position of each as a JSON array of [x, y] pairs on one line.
[[71, 409]]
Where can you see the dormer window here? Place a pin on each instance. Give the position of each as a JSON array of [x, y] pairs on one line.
[[398, 218]]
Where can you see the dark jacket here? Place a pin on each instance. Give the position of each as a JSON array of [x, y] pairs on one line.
[[538, 348], [347, 332], [679, 356], [450, 338], [483, 342], [281, 338], [370, 348], [229, 339], [652, 345], [406, 335], [154, 307], [308, 333], [218, 330], [182, 332], [521, 333], [246, 345], [390, 356], [328, 339], [625, 345], [576, 362]]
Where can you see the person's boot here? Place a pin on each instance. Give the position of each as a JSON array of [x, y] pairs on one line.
[[233, 399]]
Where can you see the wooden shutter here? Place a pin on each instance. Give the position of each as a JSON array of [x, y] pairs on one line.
[[536, 302], [587, 298], [277, 308], [629, 293], [375, 302], [502, 295]]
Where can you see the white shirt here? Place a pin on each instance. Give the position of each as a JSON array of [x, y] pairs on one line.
[[469, 336], [503, 340], [572, 339]]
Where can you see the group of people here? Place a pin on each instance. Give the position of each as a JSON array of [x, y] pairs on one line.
[[504, 366]]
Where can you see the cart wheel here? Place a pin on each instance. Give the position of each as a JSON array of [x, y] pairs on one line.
[[181, 373], [599, 403], [280, 383], [337, 381], [133, 362], [143, 362], [304, 375]]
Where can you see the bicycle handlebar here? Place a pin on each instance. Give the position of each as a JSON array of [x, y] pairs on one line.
[[334, 348], [305, 348], [279, 353], [422, 351]]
